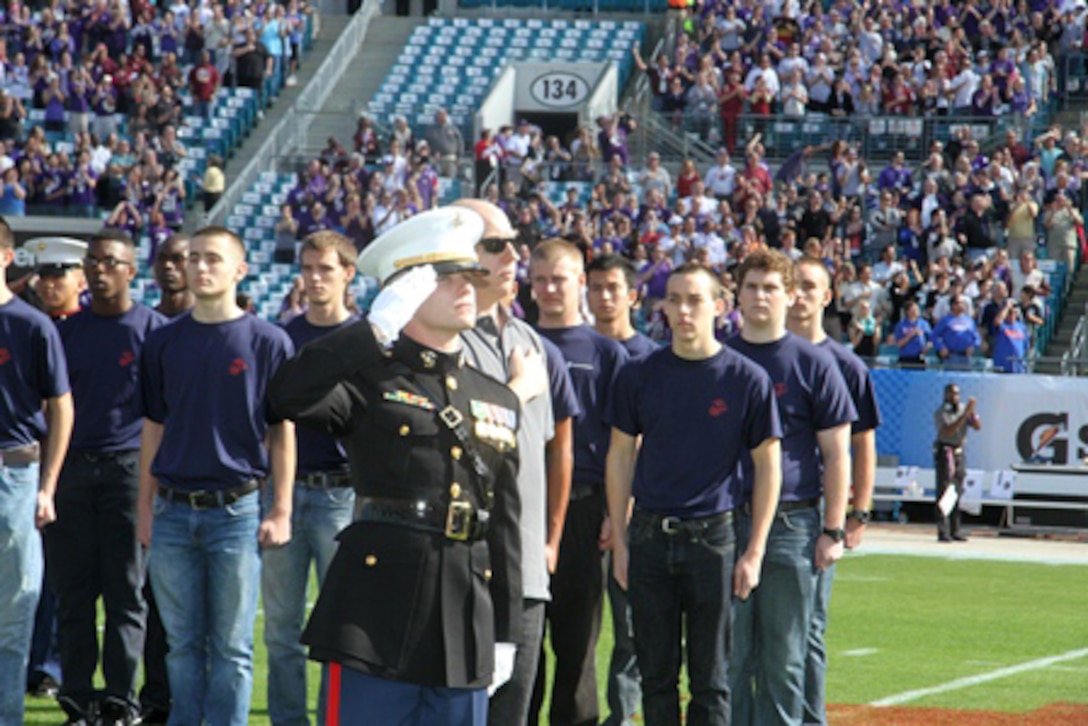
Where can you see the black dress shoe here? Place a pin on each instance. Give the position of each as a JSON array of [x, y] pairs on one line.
[[47, 688], [943, 538], [959, 538], [153, 715]]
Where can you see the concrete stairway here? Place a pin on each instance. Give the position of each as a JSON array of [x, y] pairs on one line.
[[384, 40]]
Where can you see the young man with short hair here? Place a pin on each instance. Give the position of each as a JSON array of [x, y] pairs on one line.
[[507, 348], [92, 548], [770, 632], [169, 271], [33, 442], [700, 409], [324, 502], [805, 319], [209, 440], [612, 292], [557, 276]]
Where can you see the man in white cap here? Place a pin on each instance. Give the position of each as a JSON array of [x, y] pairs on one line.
[[422, 603], [60, 281]]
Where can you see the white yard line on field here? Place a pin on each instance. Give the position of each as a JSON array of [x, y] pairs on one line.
[[1031, 665]]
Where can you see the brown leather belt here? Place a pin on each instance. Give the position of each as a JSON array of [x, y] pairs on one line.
[[21, 455]]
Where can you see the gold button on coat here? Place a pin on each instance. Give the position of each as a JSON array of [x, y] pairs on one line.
[[371, 560], [455, 490], [456, 452], [405, 430], [451, 383]]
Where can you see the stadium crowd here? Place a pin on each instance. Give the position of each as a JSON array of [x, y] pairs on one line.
[[90, 99]]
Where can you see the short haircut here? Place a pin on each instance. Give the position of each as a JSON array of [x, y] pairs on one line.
[[112, 234], [328, 240], [815, 262], [7, 237], [694, 268], [555, 249], [768, 261], [217, 231], [604, 263]]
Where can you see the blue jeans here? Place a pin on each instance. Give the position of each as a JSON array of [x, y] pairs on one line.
[[770, 628], [673, 580], [317, 516], [205, 569], [816, 659], [624, 689], [20, 583]]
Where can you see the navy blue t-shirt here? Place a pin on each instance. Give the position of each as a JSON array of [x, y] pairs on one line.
[[639, 346], [860, 383], [564, 399], [32, 369], [593, 361], [104, 365], [316, 451], [812, 396], [698, 420], [207, 383]]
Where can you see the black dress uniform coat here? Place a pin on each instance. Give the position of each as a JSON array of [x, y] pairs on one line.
[[406, 602]]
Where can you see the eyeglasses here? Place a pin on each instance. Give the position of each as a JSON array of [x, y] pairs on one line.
[[109, 263], [496, 245]]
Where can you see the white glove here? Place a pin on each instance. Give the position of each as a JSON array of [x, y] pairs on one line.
[[504, 666], [398, 302]]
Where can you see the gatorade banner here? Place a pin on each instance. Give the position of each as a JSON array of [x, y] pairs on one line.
[[1026, 419]]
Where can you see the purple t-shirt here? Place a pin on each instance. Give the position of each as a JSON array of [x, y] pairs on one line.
[[207, 383], [859, 381], [593, 362], [812, 396], [698, 419], [32, 369], [316, 451], [104, 363]]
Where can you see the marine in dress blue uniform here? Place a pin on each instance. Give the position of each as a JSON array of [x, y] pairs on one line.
[[422, 603]]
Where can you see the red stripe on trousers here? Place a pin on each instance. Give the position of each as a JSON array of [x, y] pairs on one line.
[[332, 713]]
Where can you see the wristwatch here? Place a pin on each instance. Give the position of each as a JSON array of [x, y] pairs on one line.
[[861, 516], [836, 535]]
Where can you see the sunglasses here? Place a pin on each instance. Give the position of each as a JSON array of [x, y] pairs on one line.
[[496, 245]]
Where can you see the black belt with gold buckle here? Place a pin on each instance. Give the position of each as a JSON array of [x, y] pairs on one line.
[[458, 521], [204, 499]]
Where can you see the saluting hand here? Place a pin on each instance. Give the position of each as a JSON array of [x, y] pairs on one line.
[[399, 301]]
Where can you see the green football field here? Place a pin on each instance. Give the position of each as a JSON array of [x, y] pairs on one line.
[[915, 631]]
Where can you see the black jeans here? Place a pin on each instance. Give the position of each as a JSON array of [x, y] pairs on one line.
[[93, 552], [575, 617], [675, 580]]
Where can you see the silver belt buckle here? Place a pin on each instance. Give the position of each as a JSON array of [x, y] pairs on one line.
[[670, 525]]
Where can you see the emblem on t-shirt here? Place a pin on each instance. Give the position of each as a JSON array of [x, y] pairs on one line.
[[237, 366], [127, 358], [5, 356], [717, 407], [780, 390]]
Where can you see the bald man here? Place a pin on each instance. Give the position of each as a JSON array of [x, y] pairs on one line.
[[503, 346]]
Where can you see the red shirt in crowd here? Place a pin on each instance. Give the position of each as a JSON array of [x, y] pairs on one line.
[[203, 81]]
